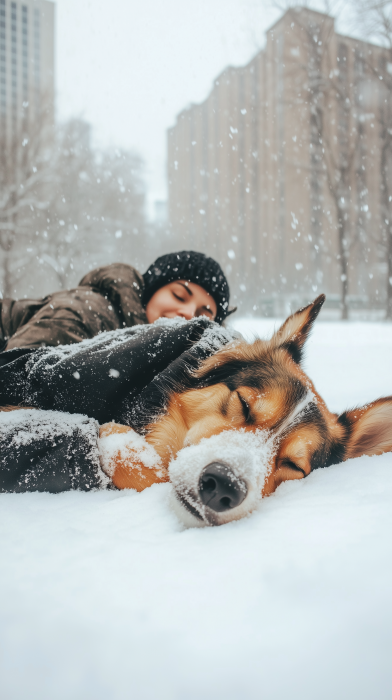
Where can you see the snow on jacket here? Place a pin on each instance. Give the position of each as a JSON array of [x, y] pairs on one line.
[[49, 451], [106, 299], [118, 376]]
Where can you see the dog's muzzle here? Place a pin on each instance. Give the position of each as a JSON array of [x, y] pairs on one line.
[[221, 478]]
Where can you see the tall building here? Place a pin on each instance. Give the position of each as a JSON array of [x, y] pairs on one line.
[[26, 62], [249, 177]]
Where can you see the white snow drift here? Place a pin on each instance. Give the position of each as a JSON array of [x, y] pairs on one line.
[[106, 596]]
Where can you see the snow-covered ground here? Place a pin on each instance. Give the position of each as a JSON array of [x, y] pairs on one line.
[[105, 596]]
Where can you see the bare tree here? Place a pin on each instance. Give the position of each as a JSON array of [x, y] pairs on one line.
[[96, 212], [340, 149], [65, 205], [66, 225], [25, 173], [335, 132]]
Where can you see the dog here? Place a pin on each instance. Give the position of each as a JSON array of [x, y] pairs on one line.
[[253, 421]]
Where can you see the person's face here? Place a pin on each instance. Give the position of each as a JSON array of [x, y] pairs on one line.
[[181, 298]]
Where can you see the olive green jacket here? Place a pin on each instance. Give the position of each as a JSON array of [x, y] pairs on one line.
[[106, 299]]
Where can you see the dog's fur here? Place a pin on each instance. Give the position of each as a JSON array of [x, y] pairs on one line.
[[261, 385]]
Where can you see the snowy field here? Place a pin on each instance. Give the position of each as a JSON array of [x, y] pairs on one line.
[[105, 596]]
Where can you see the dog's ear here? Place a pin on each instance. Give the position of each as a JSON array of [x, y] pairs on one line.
[[369, 428], [295, 330]]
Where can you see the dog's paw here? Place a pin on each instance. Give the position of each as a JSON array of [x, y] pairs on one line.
[[128, 459]]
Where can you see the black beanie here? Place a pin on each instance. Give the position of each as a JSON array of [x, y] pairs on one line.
[[193, 267]]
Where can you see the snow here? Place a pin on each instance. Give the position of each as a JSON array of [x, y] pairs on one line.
[[20, 428], [107, 596]]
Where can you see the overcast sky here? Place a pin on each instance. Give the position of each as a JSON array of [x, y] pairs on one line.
[[129, 66]]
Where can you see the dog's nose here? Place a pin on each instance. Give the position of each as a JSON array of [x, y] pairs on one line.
[[220, 489]]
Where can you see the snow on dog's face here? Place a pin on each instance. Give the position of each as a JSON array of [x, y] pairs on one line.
[[225, 476], [222, 478]]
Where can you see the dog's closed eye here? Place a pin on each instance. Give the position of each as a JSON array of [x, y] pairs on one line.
[[245, 408], [289, 464]]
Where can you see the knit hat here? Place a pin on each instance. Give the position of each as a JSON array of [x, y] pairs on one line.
[[193, 267]]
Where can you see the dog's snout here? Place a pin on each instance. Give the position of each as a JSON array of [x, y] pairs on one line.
[[220, 489]]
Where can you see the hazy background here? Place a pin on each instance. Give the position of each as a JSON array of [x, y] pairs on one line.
[[84, 165], [128, 67]]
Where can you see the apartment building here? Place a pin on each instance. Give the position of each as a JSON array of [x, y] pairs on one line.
[[26, 62], [281, 157]]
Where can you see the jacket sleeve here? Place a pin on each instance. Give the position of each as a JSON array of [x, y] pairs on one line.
[[48, 451], [107, 298], [50, 326], [123, 286], [100, 376], [104, 376]]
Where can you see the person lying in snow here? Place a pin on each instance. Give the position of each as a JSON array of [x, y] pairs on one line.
[[185, 284], [48, 451], [119, 376]]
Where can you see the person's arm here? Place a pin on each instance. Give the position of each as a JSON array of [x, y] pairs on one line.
[[103, 376], [122, 285], [50, 326], [120, 376], [49, 451], [53, 451]]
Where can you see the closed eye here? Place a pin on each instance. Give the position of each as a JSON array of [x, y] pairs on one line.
[[291, 465], [206, 310], [245, 408], [177, 297]]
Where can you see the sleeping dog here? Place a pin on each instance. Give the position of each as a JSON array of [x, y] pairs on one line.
[[253, 421]]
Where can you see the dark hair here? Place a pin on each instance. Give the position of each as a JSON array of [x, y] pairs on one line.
[[193, 267]]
